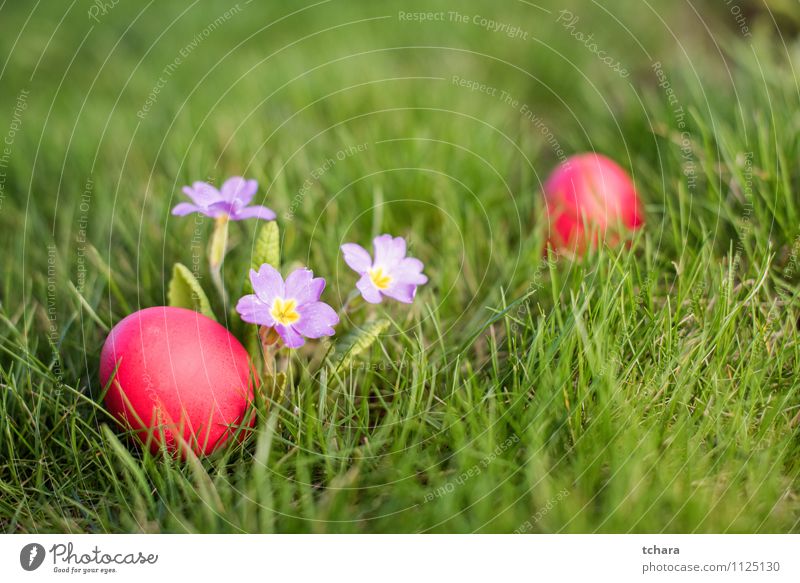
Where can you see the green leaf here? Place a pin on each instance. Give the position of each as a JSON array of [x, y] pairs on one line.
[[357, 342], [186, 292], [267, 248]]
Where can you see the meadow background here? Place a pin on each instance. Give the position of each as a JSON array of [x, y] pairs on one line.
[[649, 389]]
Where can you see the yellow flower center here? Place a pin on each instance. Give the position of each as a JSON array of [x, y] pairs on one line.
[[284, 312], [379, 279]]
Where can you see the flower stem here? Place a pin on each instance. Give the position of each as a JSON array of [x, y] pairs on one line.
[[270, 343], [216, 255]]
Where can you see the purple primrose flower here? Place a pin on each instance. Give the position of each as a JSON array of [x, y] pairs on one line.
[[231, 200], [391, 274], [292, 308]]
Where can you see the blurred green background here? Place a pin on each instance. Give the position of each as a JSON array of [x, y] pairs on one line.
[[359, 118]]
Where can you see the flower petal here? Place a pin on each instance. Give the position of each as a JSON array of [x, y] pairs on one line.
[[290, 337], [237, 189], [219, 208], [267, 283], [253, 310], [356, 257], [302, 286], [202, 193], [389, 250], [409, 270], [185, 208], [368, 290], [253, 212], [402, 292], [316, 319]]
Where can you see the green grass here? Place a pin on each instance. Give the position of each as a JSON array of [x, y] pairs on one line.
[[646, 389]]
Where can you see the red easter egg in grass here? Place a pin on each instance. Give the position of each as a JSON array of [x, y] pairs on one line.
[[590, 198], [178, 374]]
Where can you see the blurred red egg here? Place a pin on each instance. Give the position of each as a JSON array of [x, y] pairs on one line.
[[590, 198], [178, 375]]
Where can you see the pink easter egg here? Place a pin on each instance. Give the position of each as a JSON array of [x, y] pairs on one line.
[[590, 198], [182, 380]]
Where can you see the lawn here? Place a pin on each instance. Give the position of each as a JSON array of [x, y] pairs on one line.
[[650, 387]]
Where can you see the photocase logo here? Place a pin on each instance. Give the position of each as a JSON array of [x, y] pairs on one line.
[[31, 556]]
